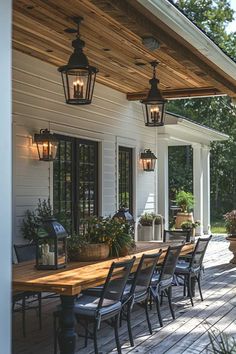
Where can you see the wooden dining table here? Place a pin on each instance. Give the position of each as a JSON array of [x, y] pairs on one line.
[[77, 276]]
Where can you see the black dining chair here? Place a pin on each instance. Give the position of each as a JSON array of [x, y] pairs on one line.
[[177, 235], [137, 291], [26, 299], [106, 306], [161, 282], [190, 268]]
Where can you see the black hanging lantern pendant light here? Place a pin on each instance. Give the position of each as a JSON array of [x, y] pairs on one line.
[[46, 145], [78, 76], [154, 104], [149, 160]]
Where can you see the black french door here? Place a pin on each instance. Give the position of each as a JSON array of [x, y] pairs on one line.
[[126, 178], [75, 181]]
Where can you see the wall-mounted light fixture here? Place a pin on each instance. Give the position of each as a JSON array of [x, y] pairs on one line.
[[78, 77], [154, 104], [46, 144], [148, 160]]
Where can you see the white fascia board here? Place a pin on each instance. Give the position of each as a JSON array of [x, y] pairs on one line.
[[179, 23], [209, 134]]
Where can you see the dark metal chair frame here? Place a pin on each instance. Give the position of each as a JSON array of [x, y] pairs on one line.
[[25, 299], [112, 289], [139, 290], [177, 235], [162, 280], [191, 268]]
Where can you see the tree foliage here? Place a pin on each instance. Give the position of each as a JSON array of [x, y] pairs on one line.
[[216, 112]]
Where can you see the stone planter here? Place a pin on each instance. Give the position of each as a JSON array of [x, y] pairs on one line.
[[232, 247], [157, 230], [92, 252], [181, 217], [145, 233]]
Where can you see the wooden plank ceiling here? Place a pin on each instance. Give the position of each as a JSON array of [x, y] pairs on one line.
[[113, 32]]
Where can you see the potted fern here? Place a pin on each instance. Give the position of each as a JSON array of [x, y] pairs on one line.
[[230, 225]]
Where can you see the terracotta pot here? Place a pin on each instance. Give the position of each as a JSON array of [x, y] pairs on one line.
[[181, 217], [126, 250], [232, 247], [93, 252]]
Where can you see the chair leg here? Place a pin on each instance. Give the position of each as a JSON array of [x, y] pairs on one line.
[[55, 333], [95, 339], [40, 309], [150, 301], [190, 290], [116, 327], [129, 326], [162, 297], [169, 295], [147, 316], [199, 285], [184, 285], [23, 316], [86, 335], [157, 300]]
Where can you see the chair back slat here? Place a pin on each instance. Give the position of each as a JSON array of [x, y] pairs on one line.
[[144, 272], [199, 252], [25, 252], [169, 264], [177, 235], [116, 280]]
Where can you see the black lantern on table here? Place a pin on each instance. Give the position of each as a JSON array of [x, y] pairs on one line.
[[148, 160], [78, 76], [154, 104], [123, 213], [51, 245], [46, 144]]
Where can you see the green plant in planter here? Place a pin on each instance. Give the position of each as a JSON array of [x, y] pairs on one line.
[[74, 244], [147, 219], [221, 343], [158, 220], [230, 223], [189, 225], [185, 200], [33, 219]]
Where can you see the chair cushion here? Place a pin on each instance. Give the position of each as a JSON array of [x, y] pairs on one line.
[[86, 305], [165, 283], [183, 267]]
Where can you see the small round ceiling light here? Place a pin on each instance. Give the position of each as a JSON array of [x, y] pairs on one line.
[[78, 77], [154, 104]]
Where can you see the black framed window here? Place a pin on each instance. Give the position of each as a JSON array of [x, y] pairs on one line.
[[75, 178], [126, 177]]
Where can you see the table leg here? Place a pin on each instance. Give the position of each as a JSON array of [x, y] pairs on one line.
[[67, 336]]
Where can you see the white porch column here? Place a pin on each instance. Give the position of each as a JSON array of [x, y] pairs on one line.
[[163, 180], [5, 177], [206, 189], [198, 186]]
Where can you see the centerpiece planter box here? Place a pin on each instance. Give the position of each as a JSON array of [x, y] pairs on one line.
[[92, 252]]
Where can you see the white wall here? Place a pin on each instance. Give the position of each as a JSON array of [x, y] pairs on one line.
[[38, 102], [5, 177]]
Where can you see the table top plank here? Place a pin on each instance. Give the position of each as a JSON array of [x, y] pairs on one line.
[[79, 275]]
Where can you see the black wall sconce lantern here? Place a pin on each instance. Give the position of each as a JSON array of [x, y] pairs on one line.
[[51, 245], [78, 77], [154, 104], [148, 160], [46, 145]]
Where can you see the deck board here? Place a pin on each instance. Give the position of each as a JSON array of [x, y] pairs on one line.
[[187, 334]]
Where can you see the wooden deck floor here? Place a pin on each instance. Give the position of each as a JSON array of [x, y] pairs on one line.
[[188, 334]]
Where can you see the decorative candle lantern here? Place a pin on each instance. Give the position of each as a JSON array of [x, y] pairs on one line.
[[51, 248], [46, 144], [78, 77], [154, 104], [148, 160], [123, 213]]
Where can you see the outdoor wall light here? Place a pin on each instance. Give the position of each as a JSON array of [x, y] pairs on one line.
[[148, 160], [78, 77], [154, 104], [46, 145]]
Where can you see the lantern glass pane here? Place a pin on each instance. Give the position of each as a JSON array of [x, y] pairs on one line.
[[46, 252], [78, 86], [154, 114], [47, 150], [61, 252]]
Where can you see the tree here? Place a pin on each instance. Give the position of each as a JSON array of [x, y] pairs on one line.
[[215, 112]]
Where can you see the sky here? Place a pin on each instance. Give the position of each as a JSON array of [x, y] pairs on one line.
[[232, 26]]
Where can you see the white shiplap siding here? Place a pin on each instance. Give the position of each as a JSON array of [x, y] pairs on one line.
[[38, 102]]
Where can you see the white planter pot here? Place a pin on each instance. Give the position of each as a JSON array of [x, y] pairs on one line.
[[157, 236], [146, 233]]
